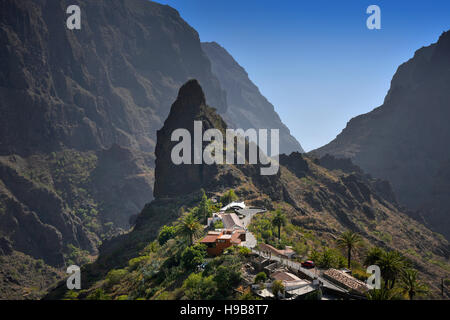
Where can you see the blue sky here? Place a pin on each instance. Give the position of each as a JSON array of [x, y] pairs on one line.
[[316, 61]]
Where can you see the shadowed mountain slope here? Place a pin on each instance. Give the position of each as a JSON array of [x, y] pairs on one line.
[[405, 141], [79, 111], [247, 107]]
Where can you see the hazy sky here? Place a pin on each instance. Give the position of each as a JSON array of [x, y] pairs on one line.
[[316, 61]]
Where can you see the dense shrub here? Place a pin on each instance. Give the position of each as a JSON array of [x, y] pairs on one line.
[[226, 278], [115, 276], [165, 234], [193, 256], [197, 287], [98, 294], [244, 251], [228, 197], [261, 277]]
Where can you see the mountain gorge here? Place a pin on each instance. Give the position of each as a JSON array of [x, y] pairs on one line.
[[86, 175], [405, 141], [79, 114], [320, 203]]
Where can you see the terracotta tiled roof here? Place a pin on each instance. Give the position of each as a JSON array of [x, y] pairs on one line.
[[284, 276], [235, 237], [209, 238], [285, 252], [346, 280]]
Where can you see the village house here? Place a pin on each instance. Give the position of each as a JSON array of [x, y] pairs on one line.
[[217, 241], [229, 220], [294, 287], [345, 280], [234, 206], [286, 253]]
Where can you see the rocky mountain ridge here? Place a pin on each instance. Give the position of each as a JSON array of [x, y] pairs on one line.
[[405, 141], [247, 107], [79, 114]]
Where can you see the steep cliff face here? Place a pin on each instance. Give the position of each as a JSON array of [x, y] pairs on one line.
[[247, 107], [110, 82], [79, 111], [405, 141]]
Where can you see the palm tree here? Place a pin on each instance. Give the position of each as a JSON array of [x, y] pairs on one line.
[[373, 256], [279, 220], [384, 293], [189, 227], [391, 265], [410, 285], [349, 240]]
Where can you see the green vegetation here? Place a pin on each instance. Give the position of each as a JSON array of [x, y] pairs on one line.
[[228, 197], [189, 227], [193, 256], [166, 233], [205, 208], [328, 258], [98, 294], [399, 279], [277, 288], [261, 277], [218, 225], [76, 256], [264, 229], [171, 271], [360, 275], [384, 293], [279, 220], [349, 240], [197, 287], [32, 276], [373, 256], [410, 285], [244, 252], [391, 264], [114, 276], [173, 266]]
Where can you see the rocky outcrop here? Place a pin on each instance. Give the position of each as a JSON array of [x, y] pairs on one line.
[[295, 163], [176, 179], [179, 179], [247, 107], [405, 141], [344, 164]]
